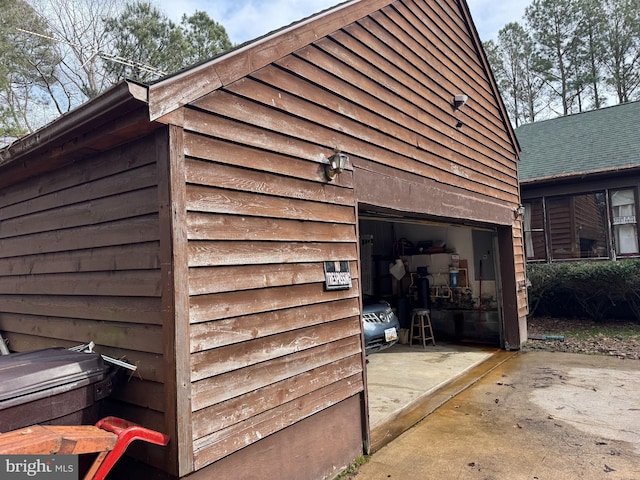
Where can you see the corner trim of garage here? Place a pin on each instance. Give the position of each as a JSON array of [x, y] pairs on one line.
[[423, 406]]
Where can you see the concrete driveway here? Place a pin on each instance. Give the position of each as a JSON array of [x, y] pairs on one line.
[[540, 415]]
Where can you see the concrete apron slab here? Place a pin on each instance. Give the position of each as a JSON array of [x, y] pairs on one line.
[[405, 384], [540, 415]]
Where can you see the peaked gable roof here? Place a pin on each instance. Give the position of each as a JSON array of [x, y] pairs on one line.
[[172, 92], [601, 140], [193, 83], [168, 94]]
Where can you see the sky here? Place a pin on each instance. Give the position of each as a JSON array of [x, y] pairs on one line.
[[248, 19]]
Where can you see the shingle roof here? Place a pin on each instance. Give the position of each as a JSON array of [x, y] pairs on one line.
[[599, 140]]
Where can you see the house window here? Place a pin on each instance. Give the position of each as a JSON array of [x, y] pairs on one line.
[[577, 226], [533, 225], [623, 219]]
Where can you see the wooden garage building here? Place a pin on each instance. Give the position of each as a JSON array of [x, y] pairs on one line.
[[185, 225]]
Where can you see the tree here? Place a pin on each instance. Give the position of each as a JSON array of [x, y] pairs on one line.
[[622, 39], [28, 66], [79, 27], [205, 37], [143, 35], [554, 24], [519, 71], [72, 50], [580, 53], [591, 48]]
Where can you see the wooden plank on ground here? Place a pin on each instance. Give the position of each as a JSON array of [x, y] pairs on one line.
[[50, 439]]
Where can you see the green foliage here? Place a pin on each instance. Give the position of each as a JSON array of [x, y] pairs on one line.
[[591, 289], [28, 65], [520, 71], [353, 468], [145, 37], [568, 56], [622, 59], [205, 38], [554, 25]]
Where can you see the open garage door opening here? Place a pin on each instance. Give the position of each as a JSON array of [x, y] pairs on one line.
[[450, 270]]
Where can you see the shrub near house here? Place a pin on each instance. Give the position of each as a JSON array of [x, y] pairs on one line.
[[597, 290]]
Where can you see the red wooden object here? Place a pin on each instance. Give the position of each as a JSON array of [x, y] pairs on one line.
[[109, 439], [127, 432]]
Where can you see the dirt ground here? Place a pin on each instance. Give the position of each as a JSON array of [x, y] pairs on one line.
[[619, 339]]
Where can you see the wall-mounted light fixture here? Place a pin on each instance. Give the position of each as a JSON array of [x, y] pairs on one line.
[[459, 101], [336, 164], [518, 212]]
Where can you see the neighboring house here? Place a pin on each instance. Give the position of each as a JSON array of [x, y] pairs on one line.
[[187, 226], [579, 178]]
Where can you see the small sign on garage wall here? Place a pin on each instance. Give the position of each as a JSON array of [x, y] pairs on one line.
[[337, 275]]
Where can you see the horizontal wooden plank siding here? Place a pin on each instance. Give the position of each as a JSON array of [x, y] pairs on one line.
[[245, 406], [261, 221], [262, 324], [521, 270], [79, 262], [261, 216], [223, 387], [244, 433]]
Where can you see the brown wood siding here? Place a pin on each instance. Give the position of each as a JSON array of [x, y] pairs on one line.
[[561, 228], [420, 86], [300, 451], [79, 262], [175, 300], [520, 270], [262, 325], [261, 217]]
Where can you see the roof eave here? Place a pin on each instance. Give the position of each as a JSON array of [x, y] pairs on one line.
[[108, 102], [579, 175], [170, 94]]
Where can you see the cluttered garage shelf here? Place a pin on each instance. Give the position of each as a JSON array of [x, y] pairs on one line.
[[459, 292]]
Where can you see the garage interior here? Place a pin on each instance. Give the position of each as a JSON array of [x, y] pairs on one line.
[[402, 258]]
